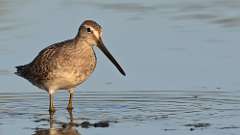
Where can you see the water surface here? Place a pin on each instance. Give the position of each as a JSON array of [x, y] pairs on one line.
[[168, 112], [181, 58]]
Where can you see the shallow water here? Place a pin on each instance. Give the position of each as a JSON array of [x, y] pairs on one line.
[[169, 112], [181, 58]]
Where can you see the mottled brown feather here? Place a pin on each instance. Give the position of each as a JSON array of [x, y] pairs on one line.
[[71, 57]]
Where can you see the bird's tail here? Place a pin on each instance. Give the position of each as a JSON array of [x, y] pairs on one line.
[[20, 70]]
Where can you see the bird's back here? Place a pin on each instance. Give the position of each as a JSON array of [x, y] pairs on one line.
[[60, 66]]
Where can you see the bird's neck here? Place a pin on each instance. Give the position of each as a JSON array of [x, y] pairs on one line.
[[81, 42], [84, 48]]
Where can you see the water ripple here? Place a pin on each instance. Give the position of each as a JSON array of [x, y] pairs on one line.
[[126, 105], [178, 108], [5, 72]]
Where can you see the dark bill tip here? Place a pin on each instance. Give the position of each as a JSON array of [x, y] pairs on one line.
[[102, 47]]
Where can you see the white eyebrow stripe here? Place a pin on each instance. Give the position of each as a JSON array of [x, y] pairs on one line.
[[95, 32]]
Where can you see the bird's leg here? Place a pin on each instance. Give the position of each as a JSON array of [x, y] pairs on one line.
[[71, 116], [51, 119], [70, 106], [51, 105]]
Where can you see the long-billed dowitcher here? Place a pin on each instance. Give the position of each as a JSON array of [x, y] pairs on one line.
[[67, 64]]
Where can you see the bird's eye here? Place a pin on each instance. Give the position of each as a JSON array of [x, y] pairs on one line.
[[89, 30]]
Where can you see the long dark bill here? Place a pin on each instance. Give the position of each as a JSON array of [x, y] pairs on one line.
[[102, 47]]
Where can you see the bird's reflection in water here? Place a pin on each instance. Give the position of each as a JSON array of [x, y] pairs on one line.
[[65, 129]]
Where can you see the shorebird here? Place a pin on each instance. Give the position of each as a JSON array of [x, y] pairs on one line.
[[67, 64]]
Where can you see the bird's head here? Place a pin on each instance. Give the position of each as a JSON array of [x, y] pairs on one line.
[[91, 32]]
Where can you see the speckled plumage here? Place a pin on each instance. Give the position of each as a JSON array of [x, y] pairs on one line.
[[60, 66], [67, 64]]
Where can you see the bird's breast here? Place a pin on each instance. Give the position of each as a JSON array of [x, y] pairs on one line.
[[73, 69]]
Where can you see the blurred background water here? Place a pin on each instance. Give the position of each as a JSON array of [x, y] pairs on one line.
[[180, 56], [180, 44]]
